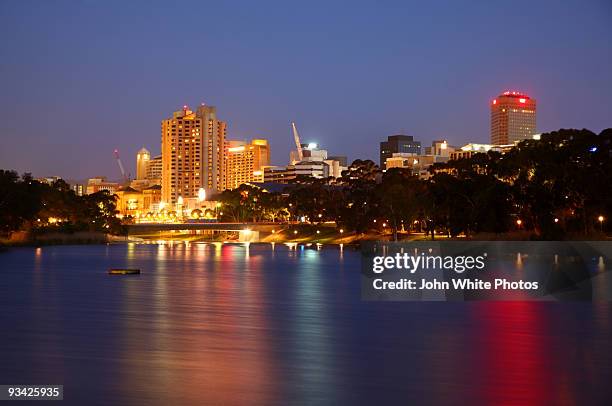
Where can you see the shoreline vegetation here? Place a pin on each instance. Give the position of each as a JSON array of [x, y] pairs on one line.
[[25, 239], [284, 235], [553, 188]]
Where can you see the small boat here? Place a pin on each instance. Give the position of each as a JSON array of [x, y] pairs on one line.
[[123, 271]]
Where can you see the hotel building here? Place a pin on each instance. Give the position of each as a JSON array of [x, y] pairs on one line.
[[192, 146], [513, 118], [245, 162]]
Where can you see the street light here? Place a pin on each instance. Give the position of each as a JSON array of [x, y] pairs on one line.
[[601, 220], [519, 222]]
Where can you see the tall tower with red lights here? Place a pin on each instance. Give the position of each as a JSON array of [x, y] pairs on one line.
[[513, 118]]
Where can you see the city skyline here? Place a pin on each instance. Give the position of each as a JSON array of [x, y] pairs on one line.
[[420, 76]]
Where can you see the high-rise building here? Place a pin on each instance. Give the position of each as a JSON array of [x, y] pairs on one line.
[[261, 154], [245, 162], [192, 145], [213, 148], [154, 170], [513, 118], [398, 144], [148, 170], [142, 160]]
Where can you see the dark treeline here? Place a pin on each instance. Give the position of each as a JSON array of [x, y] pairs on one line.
[[29, 205], [551, 188]]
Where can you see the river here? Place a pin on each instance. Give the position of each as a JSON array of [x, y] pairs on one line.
[[211, 323]]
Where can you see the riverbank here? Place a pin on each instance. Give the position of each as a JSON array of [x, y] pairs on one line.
[[303, 234], [23, 238]]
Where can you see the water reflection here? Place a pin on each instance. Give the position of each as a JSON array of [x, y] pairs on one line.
[[235, 323]]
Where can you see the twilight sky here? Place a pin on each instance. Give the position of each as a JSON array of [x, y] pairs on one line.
[[81, 78]]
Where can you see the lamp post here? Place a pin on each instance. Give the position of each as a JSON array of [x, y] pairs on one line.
[[601, 220]]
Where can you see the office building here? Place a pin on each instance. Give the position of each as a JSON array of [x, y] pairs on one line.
[[398, 144], [142, 162], [513, 118]]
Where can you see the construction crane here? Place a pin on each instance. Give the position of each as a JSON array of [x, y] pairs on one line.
[[298, 145], [126, 178]]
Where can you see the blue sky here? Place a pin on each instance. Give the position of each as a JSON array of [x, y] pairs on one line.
[[79, 79]]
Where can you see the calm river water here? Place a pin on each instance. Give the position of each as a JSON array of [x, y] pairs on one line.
[[234, 324]]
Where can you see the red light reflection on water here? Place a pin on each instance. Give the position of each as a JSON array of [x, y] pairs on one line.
[[513, 355]]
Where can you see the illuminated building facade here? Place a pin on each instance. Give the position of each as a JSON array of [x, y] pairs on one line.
[[418, 164], [469, 150], [214, 132], [142, 162], [154, 170], [137, 203], [49, 180], [245, 162], [95, 185], [261, 155], [78, 188], [513, 118], [192, 145]]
